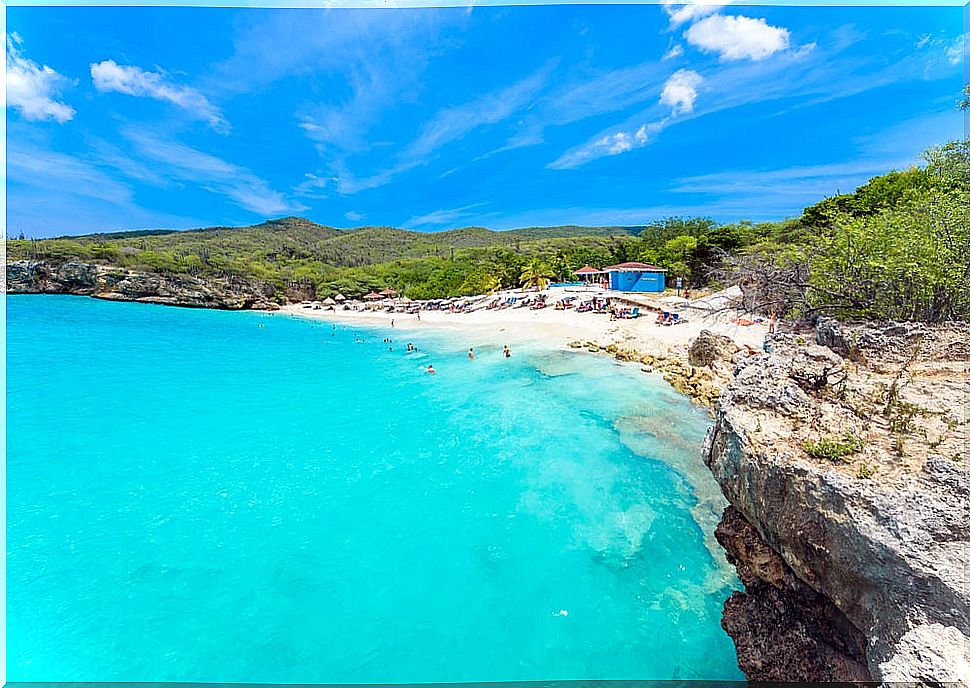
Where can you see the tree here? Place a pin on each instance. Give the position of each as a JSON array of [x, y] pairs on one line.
[[535, 274]]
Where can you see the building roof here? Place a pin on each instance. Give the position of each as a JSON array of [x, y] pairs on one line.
[[587, 270], [632, 267]]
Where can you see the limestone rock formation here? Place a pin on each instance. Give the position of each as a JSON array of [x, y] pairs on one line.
[[228, 293], [850, 517]]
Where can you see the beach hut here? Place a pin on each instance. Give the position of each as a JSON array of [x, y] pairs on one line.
[[589, 275], [635, 277]]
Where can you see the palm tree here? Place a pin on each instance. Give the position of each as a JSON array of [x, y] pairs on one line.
[[535, 274]]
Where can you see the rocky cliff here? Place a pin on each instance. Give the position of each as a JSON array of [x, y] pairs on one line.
[[844, 458], [35, 277]]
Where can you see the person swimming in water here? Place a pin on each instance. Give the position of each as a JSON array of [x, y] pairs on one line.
[[430, 370], [471, 354]]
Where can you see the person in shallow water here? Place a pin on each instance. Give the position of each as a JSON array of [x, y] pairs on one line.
[[430, 370], [507, 351], [471, 354]]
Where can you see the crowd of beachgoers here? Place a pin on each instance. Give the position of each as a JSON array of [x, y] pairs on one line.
[[652, 323]]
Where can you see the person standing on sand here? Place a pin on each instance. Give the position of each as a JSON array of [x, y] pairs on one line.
[[392, 322], [771, 322]]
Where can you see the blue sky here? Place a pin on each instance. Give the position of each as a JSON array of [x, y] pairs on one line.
[[125, 118]]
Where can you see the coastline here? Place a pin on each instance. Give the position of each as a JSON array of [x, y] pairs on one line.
[[551, 328]]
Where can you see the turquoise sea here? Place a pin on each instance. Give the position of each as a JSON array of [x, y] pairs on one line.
[[241, 497]]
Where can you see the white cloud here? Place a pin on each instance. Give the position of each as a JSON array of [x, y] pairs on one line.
[[109, 76], [31, 89], [449, 125], [683, 13], [737, 37], [954, 51], [353, 216], [680, 91], [441, 217], [452, 123], [609, 143], [675, 51], [187, 164], [311, 183]]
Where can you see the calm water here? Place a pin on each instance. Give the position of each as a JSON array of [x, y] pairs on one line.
[[206, 496]]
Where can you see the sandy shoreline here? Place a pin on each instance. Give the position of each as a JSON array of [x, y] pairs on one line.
[[551, 328]]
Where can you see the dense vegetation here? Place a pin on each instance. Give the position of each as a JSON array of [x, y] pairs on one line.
[[896, 248]]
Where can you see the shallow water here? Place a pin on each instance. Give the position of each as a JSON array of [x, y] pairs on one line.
[[210, 496]]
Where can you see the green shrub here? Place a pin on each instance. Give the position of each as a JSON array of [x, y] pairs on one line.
[[834, 449]]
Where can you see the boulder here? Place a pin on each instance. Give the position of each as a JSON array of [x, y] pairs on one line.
[[709, 347]]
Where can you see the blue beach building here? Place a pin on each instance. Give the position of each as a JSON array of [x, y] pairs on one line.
[[637, 277]]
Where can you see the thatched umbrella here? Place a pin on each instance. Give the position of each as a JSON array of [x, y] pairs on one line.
[[388, 292], [329, 302], [340, 298], [372, 296]]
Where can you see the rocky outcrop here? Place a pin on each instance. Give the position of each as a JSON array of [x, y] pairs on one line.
[[228, 293], [850, 517]]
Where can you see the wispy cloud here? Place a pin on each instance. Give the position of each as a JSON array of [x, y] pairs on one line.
[[674, 52], [32, 89], [354, 216], [108, 76], [678, 94], [365, 64], [47, 169], [442, 217], [453, 123], [737, 37], [610, 143], [449, 125], [187, 164], [89, 196]]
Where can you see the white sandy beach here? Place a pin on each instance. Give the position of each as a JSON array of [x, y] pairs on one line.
[[551, 328]]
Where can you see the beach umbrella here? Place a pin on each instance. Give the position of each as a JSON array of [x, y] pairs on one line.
[[329, 302], [340, 298], [388, 292], [372, 296]]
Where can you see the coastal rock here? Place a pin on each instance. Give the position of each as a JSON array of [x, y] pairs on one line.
[[812, 640], [72, 277], [857, 560], [709, 347]]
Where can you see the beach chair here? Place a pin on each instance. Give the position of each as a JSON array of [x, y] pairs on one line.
[[635, 313]]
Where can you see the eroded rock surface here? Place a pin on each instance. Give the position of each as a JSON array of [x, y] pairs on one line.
[[849, 525], [229, 293]]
